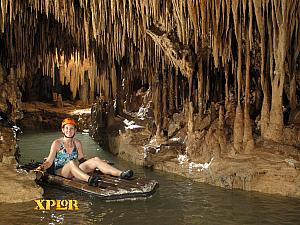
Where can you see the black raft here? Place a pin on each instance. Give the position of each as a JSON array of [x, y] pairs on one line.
[[109, 188]]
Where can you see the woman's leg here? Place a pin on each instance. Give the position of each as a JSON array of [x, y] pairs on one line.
[[70, 170], [93, 163]]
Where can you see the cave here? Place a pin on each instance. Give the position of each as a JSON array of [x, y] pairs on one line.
[[223, 77]]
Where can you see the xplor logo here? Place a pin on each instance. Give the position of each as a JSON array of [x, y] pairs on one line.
[[43, 204]]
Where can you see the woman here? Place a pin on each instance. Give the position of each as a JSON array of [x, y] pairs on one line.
[[64, 153]]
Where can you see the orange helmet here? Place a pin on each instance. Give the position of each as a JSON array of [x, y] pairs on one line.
[[68, 121]]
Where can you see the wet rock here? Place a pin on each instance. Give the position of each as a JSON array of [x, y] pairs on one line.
[[8, 145], [10, 160], [294, 117], [209, 158], [291, 135], [10, 95], [202, 123], [84, 121], [17, 186], [165, 152], [133, 103], [174, 127]]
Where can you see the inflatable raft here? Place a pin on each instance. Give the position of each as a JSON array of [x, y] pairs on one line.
[[110, 188]]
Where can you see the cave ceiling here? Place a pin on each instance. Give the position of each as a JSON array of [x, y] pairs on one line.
[[214, 46]]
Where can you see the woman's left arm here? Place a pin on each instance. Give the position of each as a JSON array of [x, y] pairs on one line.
[[79, 151]]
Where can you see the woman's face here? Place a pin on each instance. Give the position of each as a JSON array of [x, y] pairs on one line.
[[69, 130]]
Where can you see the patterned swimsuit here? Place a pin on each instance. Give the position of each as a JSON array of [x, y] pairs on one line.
[[63, 157]]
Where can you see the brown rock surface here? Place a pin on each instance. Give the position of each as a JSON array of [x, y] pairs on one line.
[[270, 167], [47, 115], [17, 187], [7, 144]]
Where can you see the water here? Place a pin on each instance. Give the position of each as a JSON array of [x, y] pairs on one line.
[[177, 201]]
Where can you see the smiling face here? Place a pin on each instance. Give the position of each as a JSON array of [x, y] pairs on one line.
[[69, 130]]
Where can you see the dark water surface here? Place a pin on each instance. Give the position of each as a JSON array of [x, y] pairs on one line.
[[177, 201]]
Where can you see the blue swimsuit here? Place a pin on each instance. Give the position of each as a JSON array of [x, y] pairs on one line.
[[63, 157]]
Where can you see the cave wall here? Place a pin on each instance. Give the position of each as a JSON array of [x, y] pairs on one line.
[[242, 55], [10, 112]]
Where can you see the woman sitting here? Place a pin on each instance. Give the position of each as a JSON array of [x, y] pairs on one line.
[[66, 159]]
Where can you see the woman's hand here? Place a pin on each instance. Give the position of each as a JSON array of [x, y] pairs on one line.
[[40, 168], [39, 172], [82, 160]]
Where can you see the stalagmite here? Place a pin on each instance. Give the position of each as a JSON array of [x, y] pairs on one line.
[[281, 18]]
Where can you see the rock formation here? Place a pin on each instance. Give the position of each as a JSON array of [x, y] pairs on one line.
[[222, 75]]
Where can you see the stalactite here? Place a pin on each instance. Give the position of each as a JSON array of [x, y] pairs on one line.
[[88, 36], [190, 117], [164, 96], [227, 87], [193, 15], [203, 9], [113, 78], [293, 89], [190, 83], [238, 33], [171, 91], [248, 138], [260, 18], [200, 88], [179, 56], [238, 121], [176, 90], [292, 66], [157, 105], [207, 84], [119, 94]]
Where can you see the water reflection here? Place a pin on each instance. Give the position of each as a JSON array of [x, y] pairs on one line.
[[177, 201]]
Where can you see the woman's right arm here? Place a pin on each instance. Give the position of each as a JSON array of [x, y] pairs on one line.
[[48, 162]]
